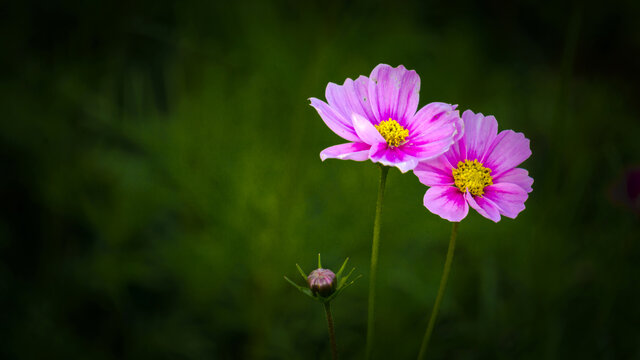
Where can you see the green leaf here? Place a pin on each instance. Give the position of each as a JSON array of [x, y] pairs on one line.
[[341, 289], [304, 276], [345, 278], [339, 273], [302, 289], [348, 284], [291, 282]]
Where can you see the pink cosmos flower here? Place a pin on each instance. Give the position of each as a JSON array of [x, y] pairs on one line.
[[377, 115], [478, 171]]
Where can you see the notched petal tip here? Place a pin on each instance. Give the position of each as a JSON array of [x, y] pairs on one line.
[[509, 149], [470, 114]]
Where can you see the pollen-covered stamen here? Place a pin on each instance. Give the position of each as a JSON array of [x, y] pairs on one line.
[[393, 133], [472, 176]]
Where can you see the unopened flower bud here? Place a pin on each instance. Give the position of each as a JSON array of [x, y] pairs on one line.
[[322, 282]]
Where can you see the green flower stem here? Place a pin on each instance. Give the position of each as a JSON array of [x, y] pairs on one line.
[[443, 284], [332, 333], [374, 261]]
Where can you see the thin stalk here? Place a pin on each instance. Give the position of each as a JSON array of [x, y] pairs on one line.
[[374, 262], [443, 284], [332, 333]]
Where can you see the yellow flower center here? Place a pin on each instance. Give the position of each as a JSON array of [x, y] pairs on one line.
[[392, 132], [472, 176]]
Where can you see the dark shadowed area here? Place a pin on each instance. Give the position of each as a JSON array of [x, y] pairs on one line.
[[161, 174]]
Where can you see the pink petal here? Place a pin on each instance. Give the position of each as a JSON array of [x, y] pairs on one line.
[[479, 133], [459, 123], [407, 165], [361, 90], [446, 129], [366, 131], [483, 206], [385, 155], [348, 151], [436, 172], [432, 116], [447, 202], [350, 98], [432, 131], [516, 176], [457, 152], [393, 93], [336, 122], [508, 150], [508, 198], [428, 150]]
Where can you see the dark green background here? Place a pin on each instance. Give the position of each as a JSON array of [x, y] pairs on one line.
[[161, 173]]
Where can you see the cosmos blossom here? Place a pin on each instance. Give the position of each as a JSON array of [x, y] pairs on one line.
[[478, 171], [377, 115]]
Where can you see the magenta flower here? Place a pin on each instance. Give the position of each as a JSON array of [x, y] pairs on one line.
[[377, 114], [478, 171]]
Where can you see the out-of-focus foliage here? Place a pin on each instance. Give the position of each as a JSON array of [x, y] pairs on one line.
[[160, 175]]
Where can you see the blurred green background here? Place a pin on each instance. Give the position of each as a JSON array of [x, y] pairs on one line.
[[161, 174]]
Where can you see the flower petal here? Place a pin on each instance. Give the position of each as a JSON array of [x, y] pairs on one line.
[[349, 98], [479, 132], [432, 131], [386, 155], [447, 202], [483, 206], [428, 150], [516, 176], [393, 93], [334, 120], [407, 165], [508, 150], [361, 89], [507, 197], [432, 116], [366, 131], [457, 152], [459, 123], [436, 172], [349, 151]]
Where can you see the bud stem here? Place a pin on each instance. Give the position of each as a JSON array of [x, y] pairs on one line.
[[374, 262], [443, 284], [332, 334]]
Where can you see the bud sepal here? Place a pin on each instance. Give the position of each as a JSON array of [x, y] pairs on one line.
[[320, 282]]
